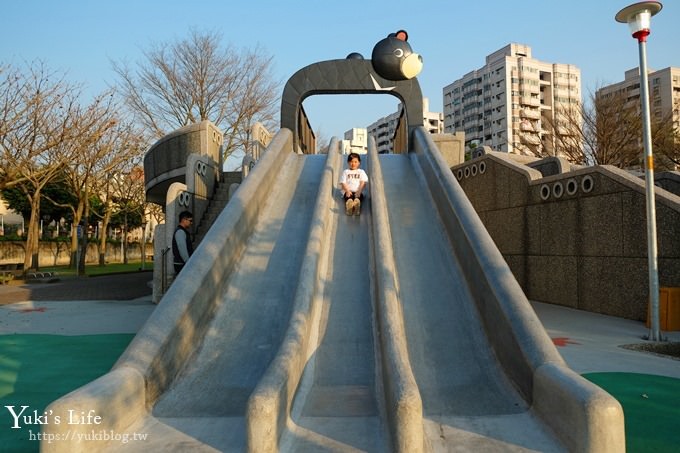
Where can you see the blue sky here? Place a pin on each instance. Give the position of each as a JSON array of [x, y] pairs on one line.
[[82, 37]]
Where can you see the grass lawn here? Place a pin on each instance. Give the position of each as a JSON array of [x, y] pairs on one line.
[[95, 269]]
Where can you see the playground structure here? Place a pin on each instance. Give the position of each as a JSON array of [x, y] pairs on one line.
[[296, 328]]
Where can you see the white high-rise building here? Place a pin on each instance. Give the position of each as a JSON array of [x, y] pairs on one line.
[[355, 141], [383, 129], [507, 103]]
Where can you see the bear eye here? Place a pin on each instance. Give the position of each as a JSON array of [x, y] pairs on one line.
[[398, 53]]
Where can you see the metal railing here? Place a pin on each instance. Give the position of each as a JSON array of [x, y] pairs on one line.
[[164, 270]]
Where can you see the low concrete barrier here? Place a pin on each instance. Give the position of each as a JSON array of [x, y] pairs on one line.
[[117, 397], [175, 329], [403, 403], [584, 417], [270, 403]]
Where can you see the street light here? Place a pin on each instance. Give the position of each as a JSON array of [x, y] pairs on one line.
[[638, 16]]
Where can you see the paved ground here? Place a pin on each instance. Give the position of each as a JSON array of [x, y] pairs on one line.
[[106, 287], [120, 303], [590, 342]]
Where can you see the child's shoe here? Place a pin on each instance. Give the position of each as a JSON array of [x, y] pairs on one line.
[[357, 206], [349, 206]]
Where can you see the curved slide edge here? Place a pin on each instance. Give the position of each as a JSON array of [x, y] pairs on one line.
[[583, 416], [403, 402], [269, 406], [175, 329]]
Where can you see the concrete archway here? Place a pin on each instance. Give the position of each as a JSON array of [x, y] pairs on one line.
[[347, 76]]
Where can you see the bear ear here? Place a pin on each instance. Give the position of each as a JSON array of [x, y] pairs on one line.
[[401, 35]]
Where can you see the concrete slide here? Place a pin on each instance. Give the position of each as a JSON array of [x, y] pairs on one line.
[[297, 328]]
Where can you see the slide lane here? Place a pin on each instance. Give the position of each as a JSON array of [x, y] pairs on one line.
[[480, 371], [206, 405], [336, 407], [467, 399]]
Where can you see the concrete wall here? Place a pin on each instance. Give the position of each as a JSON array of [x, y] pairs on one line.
[[452, 147], [669, 180], [576, 238], [166, 160]]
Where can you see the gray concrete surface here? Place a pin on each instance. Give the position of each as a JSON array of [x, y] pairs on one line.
[[251, 318], [336, 406], [591, 342], [467, 397], [588, 419], [460, 381], [75, 317], [176, 328]]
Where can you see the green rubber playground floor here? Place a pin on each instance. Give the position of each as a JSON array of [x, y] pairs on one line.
[[37, 369], [651, 407]]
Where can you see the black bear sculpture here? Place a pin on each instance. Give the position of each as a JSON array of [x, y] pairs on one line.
[[394, 59]]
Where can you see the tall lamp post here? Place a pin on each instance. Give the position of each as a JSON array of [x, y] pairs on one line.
[[638, 16]]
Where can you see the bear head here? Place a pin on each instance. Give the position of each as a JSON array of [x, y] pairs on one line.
[[393, 58]]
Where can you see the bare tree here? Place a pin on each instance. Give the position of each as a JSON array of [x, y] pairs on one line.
[[322, 141], [123, 145], [155, 212], [129, 196], [103, 144], [86, 149], [666, 139], [196, 79], [38, 109], [604, 131]]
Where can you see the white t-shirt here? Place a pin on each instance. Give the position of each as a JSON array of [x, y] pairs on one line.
[[352, 178]]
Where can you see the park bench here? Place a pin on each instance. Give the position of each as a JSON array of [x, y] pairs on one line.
[[9, 271], [42, 277]]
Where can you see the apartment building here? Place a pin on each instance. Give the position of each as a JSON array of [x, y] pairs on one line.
[[355, 141], [383, 129], [664, 92], [664, 98], [512, 103]]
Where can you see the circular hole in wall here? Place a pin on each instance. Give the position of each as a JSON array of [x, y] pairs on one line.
[[572, 186], [482, 167], [473, 170], [459, 174], [545, 192], [558, 190], [587, 183], [467, 172]]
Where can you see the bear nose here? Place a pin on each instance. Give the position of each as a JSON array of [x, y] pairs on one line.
[[411, 65]]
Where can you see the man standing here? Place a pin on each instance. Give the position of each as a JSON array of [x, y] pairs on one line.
[[182, 248]]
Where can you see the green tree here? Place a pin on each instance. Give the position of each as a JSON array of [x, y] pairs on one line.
[[55, 195]]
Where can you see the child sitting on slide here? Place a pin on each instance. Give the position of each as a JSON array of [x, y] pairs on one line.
[[352, 183]]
